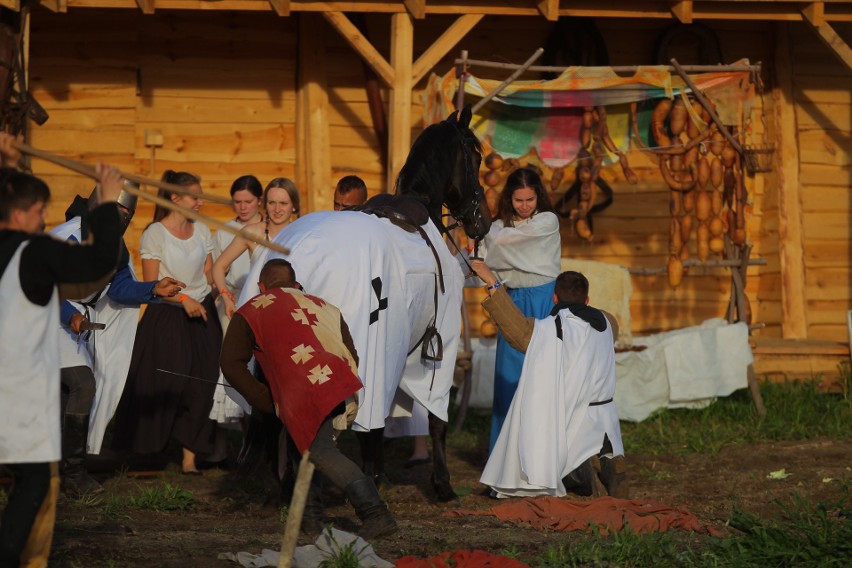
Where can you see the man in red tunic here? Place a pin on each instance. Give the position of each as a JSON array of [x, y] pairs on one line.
[[306, 352]]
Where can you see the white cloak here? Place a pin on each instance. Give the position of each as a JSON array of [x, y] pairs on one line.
[[107, 352], [342, 256], [550, 428]]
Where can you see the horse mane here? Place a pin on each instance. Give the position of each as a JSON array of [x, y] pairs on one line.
[[431, 163]]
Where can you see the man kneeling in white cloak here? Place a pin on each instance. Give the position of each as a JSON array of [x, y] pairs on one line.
[[562, 432]]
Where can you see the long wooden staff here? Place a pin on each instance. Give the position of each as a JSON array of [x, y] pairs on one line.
[[297, 511], [89, 171]]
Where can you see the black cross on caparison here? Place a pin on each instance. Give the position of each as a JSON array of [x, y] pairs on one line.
[[383, 302]]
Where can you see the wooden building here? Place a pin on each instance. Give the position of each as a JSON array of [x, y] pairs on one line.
[[280, 88]]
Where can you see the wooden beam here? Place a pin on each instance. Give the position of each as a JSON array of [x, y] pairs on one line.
[[399, 103], [359, 43], [682, 10], [55, 5], [11, 4], [813, 14], [147, 6], [442, 46], [549, 9], [794, 315], [281, 7], [313, 96], [417, 8]]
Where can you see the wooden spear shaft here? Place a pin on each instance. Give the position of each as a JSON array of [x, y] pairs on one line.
[[89, 171], [297, 511]]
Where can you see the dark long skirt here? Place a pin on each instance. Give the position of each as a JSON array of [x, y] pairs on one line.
[[156, 405]]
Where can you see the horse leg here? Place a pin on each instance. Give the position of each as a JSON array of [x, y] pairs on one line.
[[373, 455], [440, 471]]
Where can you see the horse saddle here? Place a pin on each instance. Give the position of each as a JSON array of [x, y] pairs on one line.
[[405, 211]]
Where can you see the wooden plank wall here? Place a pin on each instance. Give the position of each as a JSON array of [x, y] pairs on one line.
[[822, 89], [220, 87]]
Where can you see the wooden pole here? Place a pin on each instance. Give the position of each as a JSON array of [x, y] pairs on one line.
[[297, 511], [399, 107], [754, 389], [89, 171], [791, 239], [617, 68], [702, 100], [532, 59]]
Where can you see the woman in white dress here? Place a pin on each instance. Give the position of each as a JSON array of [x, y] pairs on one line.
[[246, 194], [175, 362], [280, 202], [524, 249]]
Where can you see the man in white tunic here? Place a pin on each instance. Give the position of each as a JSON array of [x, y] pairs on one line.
[[562, 432], [34, 270]]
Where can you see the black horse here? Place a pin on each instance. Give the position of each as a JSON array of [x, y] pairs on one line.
[[396, 284]]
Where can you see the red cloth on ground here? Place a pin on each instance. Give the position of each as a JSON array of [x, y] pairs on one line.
[[460, 559], [607, 513]]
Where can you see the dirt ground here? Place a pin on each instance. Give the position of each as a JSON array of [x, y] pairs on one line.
[[230, 515]]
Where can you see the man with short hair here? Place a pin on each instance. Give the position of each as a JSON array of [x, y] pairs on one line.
[[306, 352], [562, 432], [350, 190], [35, 270]]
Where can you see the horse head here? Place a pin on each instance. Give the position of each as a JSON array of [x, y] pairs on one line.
[[443, 169]]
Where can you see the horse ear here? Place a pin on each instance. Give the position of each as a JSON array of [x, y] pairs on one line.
[[466, 115]]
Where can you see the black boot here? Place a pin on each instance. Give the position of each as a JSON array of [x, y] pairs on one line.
[[614, 476], [76, 480], [376, 520], [312, 519], [584, 481]]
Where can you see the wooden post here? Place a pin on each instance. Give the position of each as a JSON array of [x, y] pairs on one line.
[[399, 105], [794, 320], [297, 511], [313, 98]]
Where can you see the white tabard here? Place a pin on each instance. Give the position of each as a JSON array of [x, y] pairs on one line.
[[382, 279], [107, 352], [550, 428], [29, 382]]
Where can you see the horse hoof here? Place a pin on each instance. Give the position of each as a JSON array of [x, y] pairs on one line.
[[448, 497]]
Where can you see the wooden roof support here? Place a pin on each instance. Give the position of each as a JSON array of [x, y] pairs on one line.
[[399, 103], [443, 45], [814, 14], [280, 7], [682, 10], [11, 4], [312, 114], [549, 9], [364, 48], [417, 8], [794, 315], [55, 5], [147, 6]]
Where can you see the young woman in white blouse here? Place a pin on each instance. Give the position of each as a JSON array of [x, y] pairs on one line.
[[175, 363], [523, 249], [280, 202]]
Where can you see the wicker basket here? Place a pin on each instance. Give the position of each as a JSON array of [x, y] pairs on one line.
[[759, 159]]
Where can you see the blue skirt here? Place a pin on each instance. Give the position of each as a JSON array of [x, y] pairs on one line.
[[536, 302]]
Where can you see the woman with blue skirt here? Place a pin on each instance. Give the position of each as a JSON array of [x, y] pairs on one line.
[[523, 249]]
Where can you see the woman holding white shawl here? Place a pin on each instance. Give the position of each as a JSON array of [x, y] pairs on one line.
[[523, 248]]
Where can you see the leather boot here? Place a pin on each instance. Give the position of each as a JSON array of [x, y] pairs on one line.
[[76, 480], [614, 476], [584, 481], [312, 519], [376, 520]]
